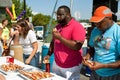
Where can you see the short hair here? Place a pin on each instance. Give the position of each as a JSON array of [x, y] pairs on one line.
[[4, 20], [66, 8]]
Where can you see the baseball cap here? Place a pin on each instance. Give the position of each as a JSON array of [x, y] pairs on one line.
[[100, 13]]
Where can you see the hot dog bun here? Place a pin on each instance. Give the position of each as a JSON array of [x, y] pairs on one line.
[[54, 30]]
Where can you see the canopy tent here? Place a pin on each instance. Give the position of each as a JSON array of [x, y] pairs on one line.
[[5, 3]]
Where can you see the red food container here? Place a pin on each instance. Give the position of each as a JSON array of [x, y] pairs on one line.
[[10, 60], [47, 67]]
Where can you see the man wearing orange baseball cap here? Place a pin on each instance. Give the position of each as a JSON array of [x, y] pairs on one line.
[[100, 13], [104, 46]]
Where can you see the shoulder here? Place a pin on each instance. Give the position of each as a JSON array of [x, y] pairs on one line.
[[116, 28], [76, 24], [116, 25], [31, 32]]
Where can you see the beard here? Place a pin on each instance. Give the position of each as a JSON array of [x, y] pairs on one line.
[[61, 21]]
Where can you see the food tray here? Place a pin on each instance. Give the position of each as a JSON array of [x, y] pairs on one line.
[[10, 67], [35, 74]]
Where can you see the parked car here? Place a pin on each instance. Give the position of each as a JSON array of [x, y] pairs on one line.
[[39, 30]]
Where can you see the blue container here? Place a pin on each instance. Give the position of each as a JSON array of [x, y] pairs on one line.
[[84, 51], [44, 53]]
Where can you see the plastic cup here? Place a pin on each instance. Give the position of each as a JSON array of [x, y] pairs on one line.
[[10, 60]]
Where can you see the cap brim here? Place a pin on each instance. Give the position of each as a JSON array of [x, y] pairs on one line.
[[96, 19]]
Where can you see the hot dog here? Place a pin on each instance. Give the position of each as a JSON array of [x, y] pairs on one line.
[[90, 62], [54, 30]]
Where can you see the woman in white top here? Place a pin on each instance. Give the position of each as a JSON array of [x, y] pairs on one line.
[[27, 38]]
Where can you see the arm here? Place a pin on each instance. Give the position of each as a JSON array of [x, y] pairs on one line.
[[1, 33], [72, 44], [97, 65], [50, 51], [51, 48], [35, 47], [16, 39], [112, 65]]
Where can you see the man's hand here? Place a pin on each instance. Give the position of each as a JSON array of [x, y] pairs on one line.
[[46, 59], [96, 65], [54, 30], [85, 59], [56, 34]]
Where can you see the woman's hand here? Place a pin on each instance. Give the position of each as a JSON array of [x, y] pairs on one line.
[[27, 61]]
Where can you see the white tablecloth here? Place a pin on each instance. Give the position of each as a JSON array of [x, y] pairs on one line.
[[14, 75]]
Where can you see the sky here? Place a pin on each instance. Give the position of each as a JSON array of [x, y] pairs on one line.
[[80, 9]]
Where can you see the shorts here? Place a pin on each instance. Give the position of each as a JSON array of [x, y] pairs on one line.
[[95, 76]]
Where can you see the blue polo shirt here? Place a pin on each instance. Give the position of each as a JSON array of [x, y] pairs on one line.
[[107, 48]]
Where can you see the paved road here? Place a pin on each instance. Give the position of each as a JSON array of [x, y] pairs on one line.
[[82, 77]]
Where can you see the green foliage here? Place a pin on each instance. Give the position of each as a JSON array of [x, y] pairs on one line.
[[44, 20], [40, 20], [118, 20], [19, 7], [85, 20]]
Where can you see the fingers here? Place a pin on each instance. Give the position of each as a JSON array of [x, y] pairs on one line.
[[85, 59], [90, 62], [54, 30], [46, 59]]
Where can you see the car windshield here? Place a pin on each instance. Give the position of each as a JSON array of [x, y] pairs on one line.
[[38, 28]]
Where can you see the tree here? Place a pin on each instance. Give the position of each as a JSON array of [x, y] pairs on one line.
[[19, 7], [43, 20], [40, 20]]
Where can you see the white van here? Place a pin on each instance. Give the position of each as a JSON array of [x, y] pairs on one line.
[[39, 30]]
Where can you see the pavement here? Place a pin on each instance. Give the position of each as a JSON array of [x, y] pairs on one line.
[[82, 77]]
